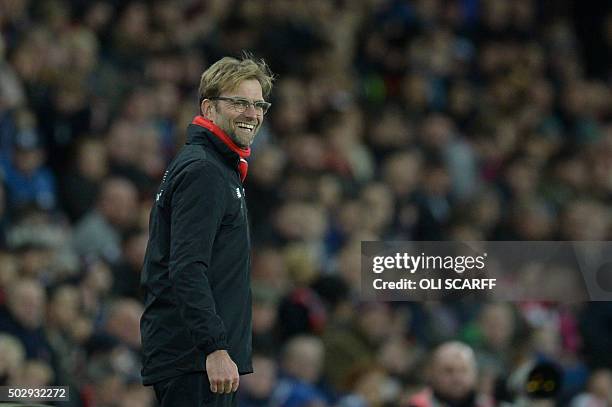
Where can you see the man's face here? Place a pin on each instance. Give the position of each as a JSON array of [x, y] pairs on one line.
[[27, 161], [27, 304], [454, 374], [241, 127]]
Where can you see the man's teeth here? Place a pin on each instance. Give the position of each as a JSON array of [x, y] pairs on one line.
[[246, 126]]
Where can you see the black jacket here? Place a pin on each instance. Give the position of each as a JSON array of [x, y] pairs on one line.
[[196, 273]]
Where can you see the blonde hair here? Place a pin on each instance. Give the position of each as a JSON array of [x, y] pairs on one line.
[[227, 73]]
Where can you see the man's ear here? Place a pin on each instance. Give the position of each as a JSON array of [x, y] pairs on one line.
[[206, 108]]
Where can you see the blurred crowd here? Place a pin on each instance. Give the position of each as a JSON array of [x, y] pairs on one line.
[[397, 120]]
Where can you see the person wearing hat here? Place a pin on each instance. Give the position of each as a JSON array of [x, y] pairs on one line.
[[28, 181]]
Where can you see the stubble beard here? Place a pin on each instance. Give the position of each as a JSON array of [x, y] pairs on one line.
[[231, 130], [239, 142], [243, 142]]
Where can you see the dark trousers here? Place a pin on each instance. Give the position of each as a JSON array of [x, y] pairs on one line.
[[191, 390]]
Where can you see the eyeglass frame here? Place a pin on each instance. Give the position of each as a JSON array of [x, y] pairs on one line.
[[233, 100]]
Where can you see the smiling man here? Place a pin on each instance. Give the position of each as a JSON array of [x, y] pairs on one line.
[[196, 326]]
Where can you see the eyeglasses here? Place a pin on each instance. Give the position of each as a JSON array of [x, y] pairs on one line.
[[240, 105]]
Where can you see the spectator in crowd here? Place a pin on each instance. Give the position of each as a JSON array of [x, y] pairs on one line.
[[126, 272], [12, 356], [491, 338], [301, 367], [63, 316], [259, 388], [106, 385], [452, 376], [98, 234], [128, 149], [35, 374], [24, 318], [28, 181], [598, 391], [9, 269], [351, 348], [265, 318], [123, 322], [371, 387], [95, 287], [80, 187]]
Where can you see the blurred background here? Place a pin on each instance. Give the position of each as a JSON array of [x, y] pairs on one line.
[[397, 120]]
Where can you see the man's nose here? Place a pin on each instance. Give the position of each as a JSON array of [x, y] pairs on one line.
[[251, 111]]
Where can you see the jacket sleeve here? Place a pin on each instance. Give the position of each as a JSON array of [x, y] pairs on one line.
[[197, 207]]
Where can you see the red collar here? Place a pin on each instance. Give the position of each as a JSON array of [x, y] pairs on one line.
[[243, 153], [216, 130]]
